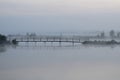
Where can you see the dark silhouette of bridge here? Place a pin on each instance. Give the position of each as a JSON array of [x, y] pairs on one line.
[[60, 39]]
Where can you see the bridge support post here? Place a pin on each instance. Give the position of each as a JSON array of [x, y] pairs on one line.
[[60, 42], [73, 41]]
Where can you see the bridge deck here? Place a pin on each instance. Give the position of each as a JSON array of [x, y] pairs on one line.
[[51, 41]]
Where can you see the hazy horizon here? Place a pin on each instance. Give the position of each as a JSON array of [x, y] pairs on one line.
[[21, 16]]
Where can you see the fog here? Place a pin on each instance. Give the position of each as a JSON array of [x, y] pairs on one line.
[[23, 16]]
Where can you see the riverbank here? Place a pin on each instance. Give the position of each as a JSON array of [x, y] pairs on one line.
[[4, 41], [112, 42]]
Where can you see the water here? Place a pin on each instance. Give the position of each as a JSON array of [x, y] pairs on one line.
[[59, 62]]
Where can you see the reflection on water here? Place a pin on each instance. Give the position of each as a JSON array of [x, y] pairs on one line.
[[60, 62], [2, 49]]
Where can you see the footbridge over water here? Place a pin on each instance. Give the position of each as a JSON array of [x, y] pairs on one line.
[[68, 39], [60, 39]]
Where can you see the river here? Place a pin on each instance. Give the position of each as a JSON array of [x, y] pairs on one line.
[[40, 61]]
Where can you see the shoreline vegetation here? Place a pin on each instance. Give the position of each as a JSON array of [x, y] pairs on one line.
[[112, 42], [4, 41]]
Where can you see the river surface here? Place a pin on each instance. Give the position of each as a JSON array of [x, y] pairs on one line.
[[40, 61]]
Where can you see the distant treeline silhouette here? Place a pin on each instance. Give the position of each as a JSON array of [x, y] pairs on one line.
[[3, 39]]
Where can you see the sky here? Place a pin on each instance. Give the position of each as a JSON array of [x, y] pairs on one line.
[[21, 16]]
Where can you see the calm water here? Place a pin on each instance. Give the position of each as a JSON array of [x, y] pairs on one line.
[[55, 62]]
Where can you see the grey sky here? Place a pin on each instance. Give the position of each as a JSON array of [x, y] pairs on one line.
[[20, 16]]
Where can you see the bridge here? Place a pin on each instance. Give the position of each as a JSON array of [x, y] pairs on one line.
[[60, 39]]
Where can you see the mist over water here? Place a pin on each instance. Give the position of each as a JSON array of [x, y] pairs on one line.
[[54, 62], [60, 61]]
